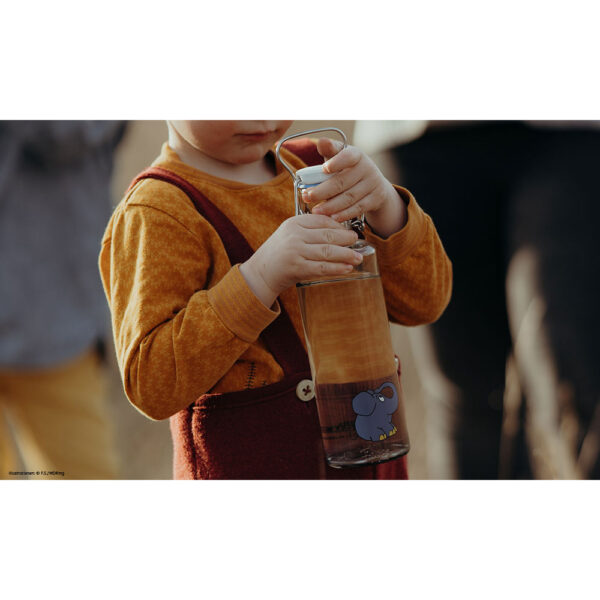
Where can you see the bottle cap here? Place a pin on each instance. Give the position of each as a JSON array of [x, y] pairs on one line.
[[312, 175]]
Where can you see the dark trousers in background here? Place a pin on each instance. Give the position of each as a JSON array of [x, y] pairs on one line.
[[517, 209]]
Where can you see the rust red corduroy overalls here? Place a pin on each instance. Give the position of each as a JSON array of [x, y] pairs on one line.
[[262, 433]]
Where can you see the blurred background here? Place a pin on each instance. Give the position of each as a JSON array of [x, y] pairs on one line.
[[505, 385]]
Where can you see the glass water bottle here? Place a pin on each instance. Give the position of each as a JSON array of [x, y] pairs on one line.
[[347, 331]]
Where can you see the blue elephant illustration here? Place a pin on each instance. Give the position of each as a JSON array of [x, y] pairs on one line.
[[374, 410]]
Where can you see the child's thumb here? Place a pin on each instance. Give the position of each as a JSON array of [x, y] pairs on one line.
[[328, 148]]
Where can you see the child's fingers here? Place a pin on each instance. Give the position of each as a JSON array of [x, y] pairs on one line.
[[347, 158], [366, 204], [328, 148], [317, 222], [313, 268], [339, 237], [353, 197], [331, 253], [333, 186]]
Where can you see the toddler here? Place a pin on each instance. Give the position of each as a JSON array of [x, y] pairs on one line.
[[199, 264]]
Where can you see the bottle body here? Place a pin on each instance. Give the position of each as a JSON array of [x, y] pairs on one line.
[[359, 398]]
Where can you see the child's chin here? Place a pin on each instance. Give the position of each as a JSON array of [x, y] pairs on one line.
[[251, 155]]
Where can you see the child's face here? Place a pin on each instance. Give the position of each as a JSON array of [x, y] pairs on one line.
[[233, 142]]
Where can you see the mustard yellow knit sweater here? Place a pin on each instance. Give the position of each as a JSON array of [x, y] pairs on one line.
[[184, 320]]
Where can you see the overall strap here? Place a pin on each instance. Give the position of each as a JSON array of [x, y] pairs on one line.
[[280, 336]]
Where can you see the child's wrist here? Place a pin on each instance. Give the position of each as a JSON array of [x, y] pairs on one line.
[[257, 283], [391, 216]]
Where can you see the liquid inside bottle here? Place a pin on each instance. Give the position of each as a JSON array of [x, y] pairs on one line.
[[359, 399]]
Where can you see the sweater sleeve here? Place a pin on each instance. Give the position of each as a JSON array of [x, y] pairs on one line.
[[415, 270], [174, 338]]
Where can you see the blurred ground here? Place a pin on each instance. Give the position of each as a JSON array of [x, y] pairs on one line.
[[145, 445]]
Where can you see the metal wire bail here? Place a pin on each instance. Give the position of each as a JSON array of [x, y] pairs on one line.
[[358, 223], [295, 135]]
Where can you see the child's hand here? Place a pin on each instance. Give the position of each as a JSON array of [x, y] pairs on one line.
[[303, 247], [357, 187]]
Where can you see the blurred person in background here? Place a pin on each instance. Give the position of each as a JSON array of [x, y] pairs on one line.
[[516, 204], [54, 204]]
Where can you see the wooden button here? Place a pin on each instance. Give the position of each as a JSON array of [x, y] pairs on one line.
[[305, 390]]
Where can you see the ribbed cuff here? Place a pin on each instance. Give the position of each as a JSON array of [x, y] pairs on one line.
[[393, 250], [239, 309]]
